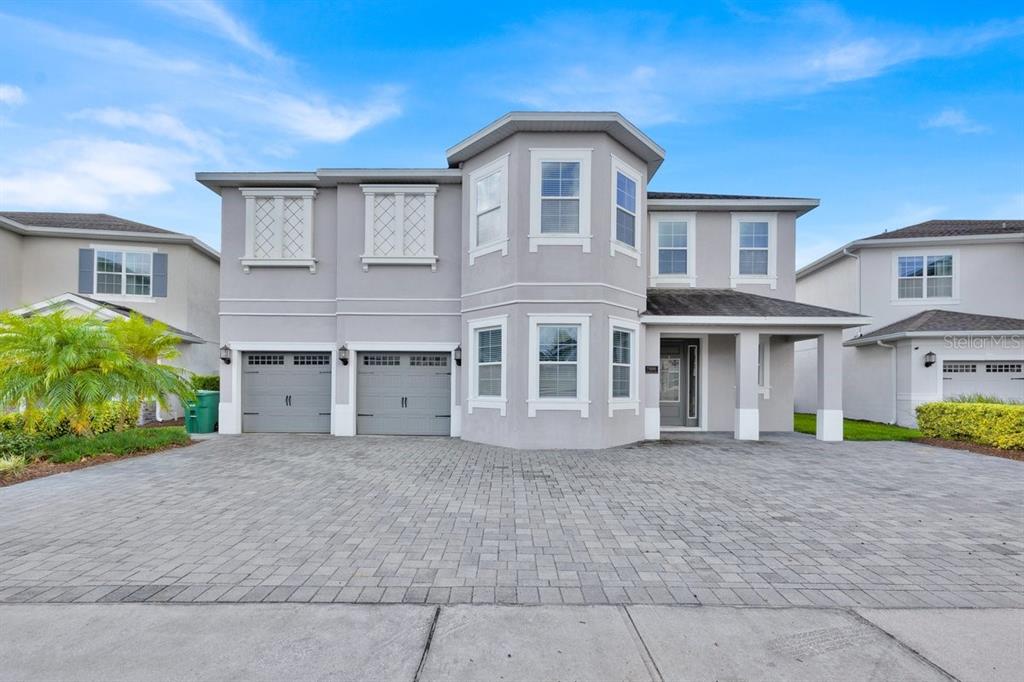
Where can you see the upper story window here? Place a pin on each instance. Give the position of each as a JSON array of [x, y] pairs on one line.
[[754, 249], [487, 366], [627, 183], [488, 201], [560, 198], [278, 228], [924, 276], [559, 368], [399, 225], [124, 273], [673, 248]]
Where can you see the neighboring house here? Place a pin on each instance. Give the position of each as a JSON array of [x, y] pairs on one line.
[[532, 294], [946, 301], [110, 266]]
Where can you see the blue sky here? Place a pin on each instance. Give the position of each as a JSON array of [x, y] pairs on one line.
[[891, 113]]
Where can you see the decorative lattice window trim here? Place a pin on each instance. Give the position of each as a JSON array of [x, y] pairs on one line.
[[399, 225], [264, 359], [278, 228], [311, 359], [1004, 367]]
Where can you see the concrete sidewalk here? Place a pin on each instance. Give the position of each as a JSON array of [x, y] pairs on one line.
[[406, 642]]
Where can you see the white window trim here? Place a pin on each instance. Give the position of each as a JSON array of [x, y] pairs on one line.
[[764, 359], [475, 400], [925, 299], [369, 257], [690, 278], [771, 279], [581, 402], [123, 296], [536, 237], [499, 165], [633, 401], [249, 260], [616, 246]]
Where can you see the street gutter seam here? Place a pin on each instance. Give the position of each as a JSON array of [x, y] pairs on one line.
[[649, 661], [426, 646], [900, 643]]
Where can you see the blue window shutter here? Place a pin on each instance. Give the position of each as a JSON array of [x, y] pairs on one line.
[[160, 275], [86, 263]]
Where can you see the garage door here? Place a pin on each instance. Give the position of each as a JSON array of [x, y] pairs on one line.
[[404, 394], [286, 392], [1000, 378]]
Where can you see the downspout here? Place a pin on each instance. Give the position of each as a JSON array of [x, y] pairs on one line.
[[891, 347]]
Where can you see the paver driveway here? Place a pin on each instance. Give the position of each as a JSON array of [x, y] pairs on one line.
[[786, 521]]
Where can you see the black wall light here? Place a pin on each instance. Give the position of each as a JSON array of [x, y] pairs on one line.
[[458, 356], [225, 354], [929, 359], [343, 355]]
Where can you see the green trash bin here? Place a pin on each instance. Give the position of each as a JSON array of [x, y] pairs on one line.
[[202, 415]]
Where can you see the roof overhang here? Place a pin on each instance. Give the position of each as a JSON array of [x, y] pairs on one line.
[[757, 321], [798, 206], [117, 235], [896, 336], [328, 177], [612, 123]]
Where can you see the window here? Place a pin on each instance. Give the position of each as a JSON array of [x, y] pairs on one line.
[[924, 276], [382, 359], [559, 350], [754, 242], [622, 341], [264, 359], [278, 228], [487, 363], [1004, 367], [959, 367], [623, 380], [560, 197], [124, 273], [671, 378], [488, 230], [764, 367], [399, 225], [627, 185], [673, 248]]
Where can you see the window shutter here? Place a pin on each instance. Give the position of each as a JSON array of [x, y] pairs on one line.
[[160, 275], [86, 263]]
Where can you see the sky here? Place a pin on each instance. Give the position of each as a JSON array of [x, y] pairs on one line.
[[891, 112]]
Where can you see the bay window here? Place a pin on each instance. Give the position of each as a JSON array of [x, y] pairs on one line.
[[627, 183], [488, 200], [623, 376], [560, 198], [559, 352], [487, 366]]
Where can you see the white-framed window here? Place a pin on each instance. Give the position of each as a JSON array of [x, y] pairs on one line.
[[623, 376], [673, 248], [488, 209], [627, 226], [560, 198], [488, 363], [754, 252], [559, 363], [764, 385], [925, 275], [399, 225], [123, 272], [278, 228]]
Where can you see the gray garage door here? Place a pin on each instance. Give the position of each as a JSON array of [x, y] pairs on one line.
[[404, 394], [1000, 378], [286, 392]]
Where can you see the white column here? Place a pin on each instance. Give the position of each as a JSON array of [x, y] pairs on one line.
[[747, 420], [651, 383], [830, 386]]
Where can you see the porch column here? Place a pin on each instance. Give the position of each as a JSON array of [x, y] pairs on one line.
[[830, 386], [747, 421]]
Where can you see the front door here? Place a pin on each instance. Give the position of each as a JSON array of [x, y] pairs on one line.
[[680, 382]]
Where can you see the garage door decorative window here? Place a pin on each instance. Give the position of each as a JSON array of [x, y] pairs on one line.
[[959, 367], [311, 359], [439, 360], [265, 359], [382, 360], [1004, 367]]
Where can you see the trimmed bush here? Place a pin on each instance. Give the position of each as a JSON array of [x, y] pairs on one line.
[[74, 448], [115, 415], [992, 424], [206, 382]]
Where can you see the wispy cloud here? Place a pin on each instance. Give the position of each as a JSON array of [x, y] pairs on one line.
[[219, 21], [11, 94], [323, 122], [956, 120], [156, 123]]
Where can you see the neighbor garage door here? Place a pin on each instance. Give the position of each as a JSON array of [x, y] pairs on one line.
[[404, 394], [286, 392], [1000, 378]]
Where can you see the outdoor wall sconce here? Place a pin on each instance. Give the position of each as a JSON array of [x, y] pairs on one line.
[[929, 359], [343, 355], [225, 354], [458, 356]]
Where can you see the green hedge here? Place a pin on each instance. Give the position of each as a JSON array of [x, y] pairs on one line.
[[206, 382], [1000, 426], [110, 416]]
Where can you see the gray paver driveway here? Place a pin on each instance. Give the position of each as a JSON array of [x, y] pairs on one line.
[[786, 521]]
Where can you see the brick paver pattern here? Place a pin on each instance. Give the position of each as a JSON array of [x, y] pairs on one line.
[[700, 520]]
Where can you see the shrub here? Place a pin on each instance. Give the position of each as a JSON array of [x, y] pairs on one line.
[[16, 444], [982, 398], [206, 382], [114, 415], [74, 448], [993, 424], [12, 464]]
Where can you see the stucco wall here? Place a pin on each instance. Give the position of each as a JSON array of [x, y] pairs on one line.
[[10, 270]]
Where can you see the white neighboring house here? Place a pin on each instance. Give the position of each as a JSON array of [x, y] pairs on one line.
[[946, 300], [109, 266]]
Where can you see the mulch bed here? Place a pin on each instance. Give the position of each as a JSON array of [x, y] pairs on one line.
[[180, 421], [1017, 455], [42, 468]]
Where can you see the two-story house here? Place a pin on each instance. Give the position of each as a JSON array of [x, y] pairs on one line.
[[111, 267], [946, 301], [531, 294]]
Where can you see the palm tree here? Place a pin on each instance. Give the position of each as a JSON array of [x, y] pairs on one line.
[[152, 343]]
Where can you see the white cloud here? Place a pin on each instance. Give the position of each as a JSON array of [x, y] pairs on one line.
[[11, 94], [219, 21], [156, 123], [324, 122], [956, 120]]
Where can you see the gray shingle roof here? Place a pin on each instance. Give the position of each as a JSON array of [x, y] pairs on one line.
[[80, 221], [954, 228], [729, 302], [187, 337], [942, 321], [702, 195]]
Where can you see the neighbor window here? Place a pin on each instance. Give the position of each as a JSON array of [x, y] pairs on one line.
[[924, 276], [488, 362], [753, 248], [126, 273], [560, 198], [488, 200]]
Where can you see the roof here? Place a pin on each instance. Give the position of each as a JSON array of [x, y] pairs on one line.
[[953, 228], [704, 195], [699, 302], [327, 177], [186, 337], [614, 124], [939, 322]]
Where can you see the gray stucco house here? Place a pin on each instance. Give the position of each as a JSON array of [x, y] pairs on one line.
[[946, 302], [531, 294]]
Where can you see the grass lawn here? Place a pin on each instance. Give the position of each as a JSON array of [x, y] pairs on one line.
[[854, 429]]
